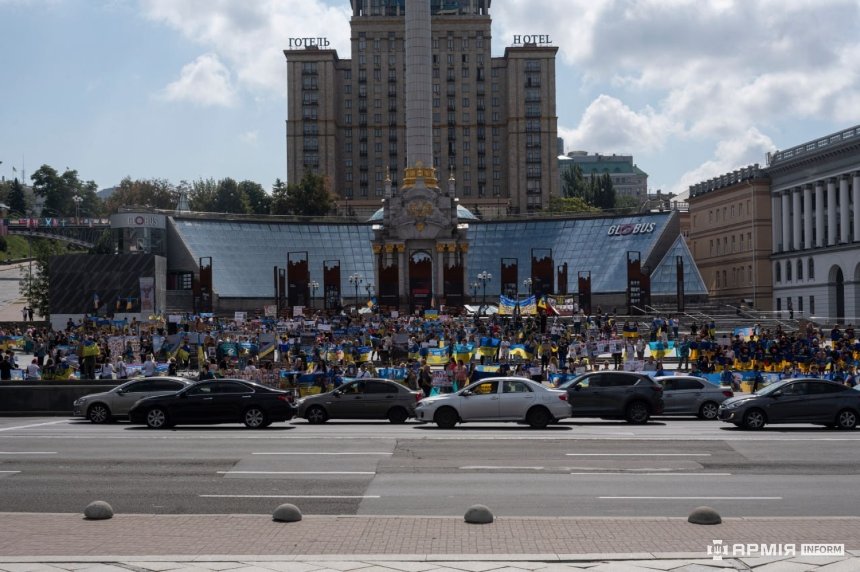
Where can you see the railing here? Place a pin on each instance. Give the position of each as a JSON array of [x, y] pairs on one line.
[[810, 146]]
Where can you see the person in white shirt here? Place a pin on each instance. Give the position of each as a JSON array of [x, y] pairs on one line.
[[107, 371], [33, 370], [149, 366]]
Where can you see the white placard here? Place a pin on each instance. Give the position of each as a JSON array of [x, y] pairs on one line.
[[298, 311], [240, 316]]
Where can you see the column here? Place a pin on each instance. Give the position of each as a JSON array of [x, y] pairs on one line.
[[786, 222], [844, 210], [807, 217], [856, 192], [795, 219], [819, 213], [831, 211], [776, 222]]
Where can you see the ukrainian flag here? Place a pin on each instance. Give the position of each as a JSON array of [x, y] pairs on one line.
[[528, 306], [520, 351], [331, 354], [464, 352], [506, 306], [365, 354], [489, 347], [437, 356]]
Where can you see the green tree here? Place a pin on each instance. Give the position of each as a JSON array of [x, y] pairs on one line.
[[153, 193], [201, 196], [570, 205], [280, 206], [35, 287], [228, 198], [573, 182], [59, 191], [309, 197], [256, 199], [16, 199]]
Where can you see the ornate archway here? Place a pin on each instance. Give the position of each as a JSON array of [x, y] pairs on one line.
[[420, 279]]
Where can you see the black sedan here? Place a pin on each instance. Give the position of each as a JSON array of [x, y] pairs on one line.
[[814, 401], [215, 401]]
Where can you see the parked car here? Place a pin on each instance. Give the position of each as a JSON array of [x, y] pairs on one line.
[[216, 401], [614, 395], [496, 399], [691, 395], [368, 398], [108, 405], [796, 400]]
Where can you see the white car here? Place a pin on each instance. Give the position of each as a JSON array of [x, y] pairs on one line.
[[496, 399]]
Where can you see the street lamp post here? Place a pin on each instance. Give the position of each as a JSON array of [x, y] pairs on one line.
[[483, 278], [527, 284], [78, 200], [314, 285], [356, 280], [474, 287]]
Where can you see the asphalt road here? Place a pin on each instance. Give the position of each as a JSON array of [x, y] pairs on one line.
[[576, 468]]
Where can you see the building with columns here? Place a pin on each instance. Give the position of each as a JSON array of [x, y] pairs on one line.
[[730, 236], [815, 205]]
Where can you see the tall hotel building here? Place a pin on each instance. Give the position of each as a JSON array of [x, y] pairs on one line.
[[494, 119]]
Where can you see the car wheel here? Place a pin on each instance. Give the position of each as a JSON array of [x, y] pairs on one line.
[[254, 418], [446, 418], [637, 413], [754, 419], [538, 418], [398, 415], [846, 419], [156, 418], [709, 410], [98, 413], [316, 415]]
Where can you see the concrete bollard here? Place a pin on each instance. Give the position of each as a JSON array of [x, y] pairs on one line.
[[479, 514], [704, 515], [98, 510], [287, 513]]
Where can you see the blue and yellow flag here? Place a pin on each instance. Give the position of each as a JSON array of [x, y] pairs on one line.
[[365, 354], [520, 351], [507, 306], [464, 352], [528, 306], [437, 356], [489, 347]]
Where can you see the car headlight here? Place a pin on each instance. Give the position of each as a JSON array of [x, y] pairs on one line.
[[80, 401], [732, 405], [298, 402]]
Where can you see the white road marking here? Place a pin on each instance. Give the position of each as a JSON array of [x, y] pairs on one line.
[[33, 425], [296, 472], [10, 472], [290, 496], [28, 452], [638, 454], [318, 453], [498, 468], [667, 474], [690, 498]]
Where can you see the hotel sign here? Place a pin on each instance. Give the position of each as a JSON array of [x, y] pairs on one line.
[[308, 42], [538, 39]]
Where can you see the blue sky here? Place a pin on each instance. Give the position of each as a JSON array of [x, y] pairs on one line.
[[183, 89]]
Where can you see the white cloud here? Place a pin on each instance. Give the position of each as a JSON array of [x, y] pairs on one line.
[[250, 35], [249, 137], [205, 81], [610, 126], [746, 148]]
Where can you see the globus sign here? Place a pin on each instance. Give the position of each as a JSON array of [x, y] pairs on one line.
[[628, 229]]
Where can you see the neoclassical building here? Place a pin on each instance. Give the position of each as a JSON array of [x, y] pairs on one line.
[[815, 202]]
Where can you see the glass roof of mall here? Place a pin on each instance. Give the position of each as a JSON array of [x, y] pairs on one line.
[[244, 253]]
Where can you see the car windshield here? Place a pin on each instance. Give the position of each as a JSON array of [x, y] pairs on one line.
[[570, 382]]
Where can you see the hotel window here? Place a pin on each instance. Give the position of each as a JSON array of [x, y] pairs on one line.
[[788, 271], [810, 274], [435, 43], [479, 42], [450, 42], [800, 270]]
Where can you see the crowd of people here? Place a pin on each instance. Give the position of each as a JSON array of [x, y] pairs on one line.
[[324, 349]]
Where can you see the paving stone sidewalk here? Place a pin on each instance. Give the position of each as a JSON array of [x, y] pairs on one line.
[[30, 541]]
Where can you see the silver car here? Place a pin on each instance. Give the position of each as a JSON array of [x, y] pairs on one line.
[[690, 395], [496, 399], [103, 407]]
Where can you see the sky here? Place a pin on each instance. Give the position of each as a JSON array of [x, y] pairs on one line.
[[188, 89]]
